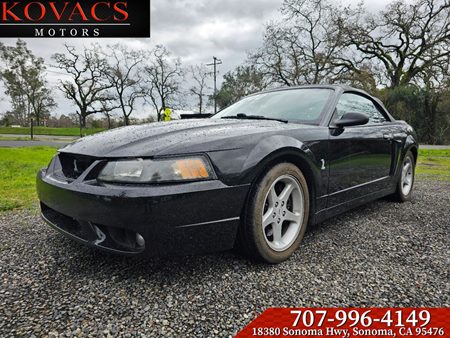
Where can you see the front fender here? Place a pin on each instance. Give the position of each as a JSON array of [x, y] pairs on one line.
[[275, 149], [410, 143], [247, 164], [272, 147], [244, 165]]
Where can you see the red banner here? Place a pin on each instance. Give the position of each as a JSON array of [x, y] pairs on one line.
[[350, 322]]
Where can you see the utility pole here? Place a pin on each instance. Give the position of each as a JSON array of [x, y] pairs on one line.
[[215, 64]]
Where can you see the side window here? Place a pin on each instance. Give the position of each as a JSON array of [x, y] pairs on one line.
[[353, 103]]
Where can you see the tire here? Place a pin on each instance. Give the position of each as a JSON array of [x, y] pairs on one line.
[[405, 182], [284, 192]]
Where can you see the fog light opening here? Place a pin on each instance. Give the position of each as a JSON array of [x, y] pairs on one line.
[[140, 240]]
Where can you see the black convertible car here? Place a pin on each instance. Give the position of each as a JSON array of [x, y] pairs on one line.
[[253, 176]]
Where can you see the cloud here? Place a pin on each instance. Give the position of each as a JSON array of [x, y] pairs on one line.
[[193, 30]]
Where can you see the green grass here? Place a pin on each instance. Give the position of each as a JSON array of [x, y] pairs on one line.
[[434, 152], [50, 131], [434, 164], [18, 168]]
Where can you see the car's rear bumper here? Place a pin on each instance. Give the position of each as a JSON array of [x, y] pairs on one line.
[[172, 219]]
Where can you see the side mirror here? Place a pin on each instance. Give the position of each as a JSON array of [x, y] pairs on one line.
[[351, 119]]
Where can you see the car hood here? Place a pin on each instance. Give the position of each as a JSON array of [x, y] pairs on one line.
[[176, 137]]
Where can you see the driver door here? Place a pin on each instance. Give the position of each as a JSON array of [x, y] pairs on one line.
[[359, 156]]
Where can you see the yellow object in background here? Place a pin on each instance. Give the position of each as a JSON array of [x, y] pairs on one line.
[[167, 114]]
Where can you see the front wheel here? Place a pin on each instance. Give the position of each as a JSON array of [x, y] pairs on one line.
[[406, 181], [276, 215]]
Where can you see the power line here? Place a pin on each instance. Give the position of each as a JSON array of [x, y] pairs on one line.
[[215, 63]]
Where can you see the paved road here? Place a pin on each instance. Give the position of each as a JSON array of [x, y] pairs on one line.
[[20, 144], [41, 137], [39, 140], [426, 146]]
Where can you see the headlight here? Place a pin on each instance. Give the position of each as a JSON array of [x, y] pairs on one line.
[[157, 171]]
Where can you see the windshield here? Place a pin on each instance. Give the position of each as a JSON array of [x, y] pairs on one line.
[[304, 105]]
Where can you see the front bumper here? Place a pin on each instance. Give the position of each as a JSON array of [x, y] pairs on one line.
[[154, 220]]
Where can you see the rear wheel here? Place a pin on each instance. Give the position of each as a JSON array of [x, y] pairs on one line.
[[406, 181], [276, 215]]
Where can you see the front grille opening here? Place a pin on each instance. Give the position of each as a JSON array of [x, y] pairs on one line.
[[63, 222], [73, 166]]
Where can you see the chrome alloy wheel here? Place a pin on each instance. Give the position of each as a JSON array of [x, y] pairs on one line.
[[407, 176], [282, 216]]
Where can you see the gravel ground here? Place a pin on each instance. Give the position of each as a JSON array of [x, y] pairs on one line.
[[383, 254]]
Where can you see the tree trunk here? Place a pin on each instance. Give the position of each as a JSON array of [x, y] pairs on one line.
[[160, 113], [430, 112], [81, 125], [434, 118], [163, 107], [83, 121]]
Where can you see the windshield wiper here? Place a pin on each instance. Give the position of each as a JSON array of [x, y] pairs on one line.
[[253, 117]]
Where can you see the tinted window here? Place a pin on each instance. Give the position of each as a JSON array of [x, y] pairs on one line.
[[352, 103], [299, 105]]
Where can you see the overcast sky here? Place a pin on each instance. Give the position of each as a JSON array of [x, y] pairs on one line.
[[195, 30]]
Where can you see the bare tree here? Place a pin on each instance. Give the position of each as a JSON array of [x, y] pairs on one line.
[[401, 54], [409, 45], [107, 111], [305, 47], [403, 40], [87, 87], [125, 74], [164, 76], [200, 75]]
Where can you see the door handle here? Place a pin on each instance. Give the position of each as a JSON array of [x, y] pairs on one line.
[[391, 138]]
